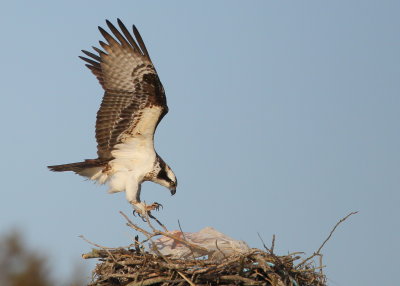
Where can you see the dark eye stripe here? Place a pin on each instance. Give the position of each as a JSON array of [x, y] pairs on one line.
[[163, 176]]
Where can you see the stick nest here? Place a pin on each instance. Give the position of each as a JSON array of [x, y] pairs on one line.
[[134, 265]]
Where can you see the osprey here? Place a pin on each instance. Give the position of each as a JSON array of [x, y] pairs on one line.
[[133, 105]]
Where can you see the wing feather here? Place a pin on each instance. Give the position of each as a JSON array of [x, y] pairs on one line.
[[91, 62], [130, 81], [128, 35], [93, 56], [100, 52], [111, 41], [106, 47], [119, 36], [140, 41]]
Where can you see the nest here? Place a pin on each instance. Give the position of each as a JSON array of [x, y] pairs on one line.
[[136, 265]]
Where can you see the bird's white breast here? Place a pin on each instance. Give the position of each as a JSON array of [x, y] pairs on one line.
[[135, 156]]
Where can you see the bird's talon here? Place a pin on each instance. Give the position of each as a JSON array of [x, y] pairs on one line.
[[157, 206]]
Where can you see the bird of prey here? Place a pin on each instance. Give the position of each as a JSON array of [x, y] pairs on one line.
[[133, 105]]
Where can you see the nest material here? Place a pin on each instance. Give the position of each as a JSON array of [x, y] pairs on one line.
[[134, 267]]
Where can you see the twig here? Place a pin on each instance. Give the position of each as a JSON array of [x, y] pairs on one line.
[[271, 251], [98, 245], [311, 269], [187, 279], [216, 245], [246, 281], [102, 247], [337, 224], [184, 237], [137, 244], [317, 253], [320, 264], [134, 226], [295, 253], [273, 244], [147, 220], [147, 282], [158, 232], [169, 262], [163, 226], [263, 243]]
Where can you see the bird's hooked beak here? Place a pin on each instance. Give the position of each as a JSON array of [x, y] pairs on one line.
[[172, 187]]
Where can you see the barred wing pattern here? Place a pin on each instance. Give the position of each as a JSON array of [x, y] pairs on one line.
[[126, 73]]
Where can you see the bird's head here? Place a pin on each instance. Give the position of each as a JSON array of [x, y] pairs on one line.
[[165, 177]]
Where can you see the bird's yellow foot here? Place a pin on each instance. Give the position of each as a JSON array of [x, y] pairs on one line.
[[142, 209], [154, 206]]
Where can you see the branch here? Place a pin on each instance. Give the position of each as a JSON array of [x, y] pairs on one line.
[[273, 243], [158, 232], [263, 243], [318, 253], [332, 231], [184, 237], [107, 249]]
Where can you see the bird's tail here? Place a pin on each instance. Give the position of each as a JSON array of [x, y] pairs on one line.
[[79, 167]]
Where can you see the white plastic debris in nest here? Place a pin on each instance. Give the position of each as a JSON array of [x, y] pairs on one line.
[[217, 244]]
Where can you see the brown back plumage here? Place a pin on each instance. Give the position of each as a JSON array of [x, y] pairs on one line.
[[130, 81]]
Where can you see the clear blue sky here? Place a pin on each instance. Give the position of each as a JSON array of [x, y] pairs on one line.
[[284, 117]]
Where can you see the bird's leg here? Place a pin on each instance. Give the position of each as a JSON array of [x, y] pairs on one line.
[[154, 206], [137, 211], [132, 193], [142, 209]]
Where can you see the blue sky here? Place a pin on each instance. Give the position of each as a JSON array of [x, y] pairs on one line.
[[284, 117]]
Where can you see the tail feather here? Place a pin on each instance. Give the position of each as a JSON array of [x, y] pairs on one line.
[[79, 166]]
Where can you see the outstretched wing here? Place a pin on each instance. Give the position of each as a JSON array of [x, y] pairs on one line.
[[131, 84]]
